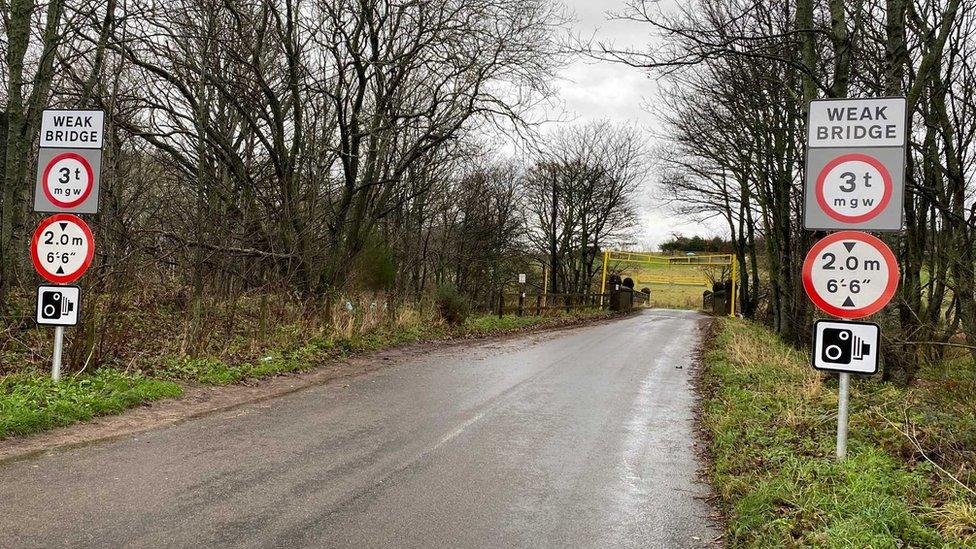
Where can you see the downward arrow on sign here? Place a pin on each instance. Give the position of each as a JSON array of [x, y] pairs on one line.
[[849, 245], [63, 225]]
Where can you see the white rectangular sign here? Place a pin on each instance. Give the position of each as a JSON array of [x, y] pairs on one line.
[[69, 129], [58, 305], [851, 347], [855, 164], [845, 123], [521, 278]]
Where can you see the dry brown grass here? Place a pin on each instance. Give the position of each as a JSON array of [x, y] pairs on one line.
[[957, 519]]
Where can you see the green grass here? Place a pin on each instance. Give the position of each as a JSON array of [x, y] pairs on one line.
[[668, 296], [315, 351], [30, 403], [771, 420]]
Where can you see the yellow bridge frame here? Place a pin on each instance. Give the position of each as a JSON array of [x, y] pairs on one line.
[[713, 260]]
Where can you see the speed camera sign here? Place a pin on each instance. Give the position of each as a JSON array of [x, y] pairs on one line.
[[62, 248], [845, 346], [850, 274]]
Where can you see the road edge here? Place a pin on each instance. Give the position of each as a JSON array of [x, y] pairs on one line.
[[707, 330], [200, 400]]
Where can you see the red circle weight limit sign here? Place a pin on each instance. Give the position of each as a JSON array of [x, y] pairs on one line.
[[67, 180], [62, 248], [854, 188], [850, 274]]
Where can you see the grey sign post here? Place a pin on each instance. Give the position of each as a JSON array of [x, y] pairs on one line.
[[846, 347], [69, 164], [855, 180]]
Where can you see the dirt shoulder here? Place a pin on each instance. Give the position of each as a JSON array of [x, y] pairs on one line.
[[199, 400]]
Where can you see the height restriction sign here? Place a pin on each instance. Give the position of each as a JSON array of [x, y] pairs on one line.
[[850, 274], [62, 248], [855, 174]]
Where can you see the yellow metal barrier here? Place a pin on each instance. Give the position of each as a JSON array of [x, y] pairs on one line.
[[710, 260]]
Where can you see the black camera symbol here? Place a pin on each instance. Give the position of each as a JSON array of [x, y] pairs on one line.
[[841, 346], [54, 305]]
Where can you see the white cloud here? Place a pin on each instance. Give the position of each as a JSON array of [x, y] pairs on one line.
[[594, 90]]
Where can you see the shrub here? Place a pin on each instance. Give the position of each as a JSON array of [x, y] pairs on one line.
[[452, 306]]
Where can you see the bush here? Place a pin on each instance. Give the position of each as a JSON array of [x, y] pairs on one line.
[[452, 306]]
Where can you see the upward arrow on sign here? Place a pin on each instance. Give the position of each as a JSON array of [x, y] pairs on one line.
[[848, 302]]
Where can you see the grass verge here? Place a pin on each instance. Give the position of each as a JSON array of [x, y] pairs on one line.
[[770, 420], [30, 402], [411, 329]]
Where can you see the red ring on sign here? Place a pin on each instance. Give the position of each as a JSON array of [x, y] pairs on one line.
[[36, 240], [88, 188], [870, 309], [854, 157]]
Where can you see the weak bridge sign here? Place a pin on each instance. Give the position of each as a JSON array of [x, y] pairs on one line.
[[855, 174]]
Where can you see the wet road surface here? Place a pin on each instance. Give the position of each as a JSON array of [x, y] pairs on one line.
[[583, 438]]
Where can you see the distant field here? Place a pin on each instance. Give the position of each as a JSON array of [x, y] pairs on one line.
[[676, 297], [672, 286]]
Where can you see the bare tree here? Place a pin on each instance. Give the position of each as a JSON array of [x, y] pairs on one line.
[[581, 198]]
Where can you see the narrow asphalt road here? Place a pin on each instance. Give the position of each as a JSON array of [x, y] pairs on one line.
[[578, 439]]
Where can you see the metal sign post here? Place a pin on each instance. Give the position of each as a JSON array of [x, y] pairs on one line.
[[521, 300], [855, 179], [69, 165], [842, 402], [56, 359]]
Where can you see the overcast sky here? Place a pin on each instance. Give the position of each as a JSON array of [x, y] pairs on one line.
[[592, 90]]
